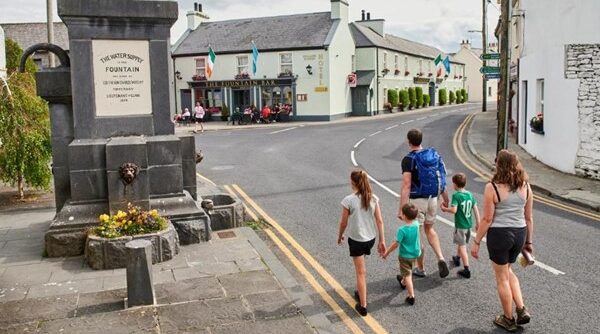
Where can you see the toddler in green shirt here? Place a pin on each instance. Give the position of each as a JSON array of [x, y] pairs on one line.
[[464, 207]]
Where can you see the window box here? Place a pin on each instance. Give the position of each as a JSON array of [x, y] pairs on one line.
[[430, 74], [406, 73], [285, 75], [198, 77], [385, 71], [242, 76], [397, 72]]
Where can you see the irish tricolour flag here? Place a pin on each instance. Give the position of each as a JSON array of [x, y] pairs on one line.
[[212, 57]]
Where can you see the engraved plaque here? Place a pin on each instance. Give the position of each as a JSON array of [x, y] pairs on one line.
[[122, 84]]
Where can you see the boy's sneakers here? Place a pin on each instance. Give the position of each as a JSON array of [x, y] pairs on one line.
[[508, 324], [399, 278], [523, 317], [361, 310], [419, 273], [456, 261], [466, 273], [443, 267], [410, 300]]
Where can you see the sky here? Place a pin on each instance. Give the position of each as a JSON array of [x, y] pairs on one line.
[[440, 23]]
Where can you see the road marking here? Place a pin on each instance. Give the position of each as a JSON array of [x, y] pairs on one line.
[[374, 134], [284, 130], [353, 159], [246, 208], [391, 127], [359, 142], [337, 287], [206, 179], [421, 118], [410, 121]]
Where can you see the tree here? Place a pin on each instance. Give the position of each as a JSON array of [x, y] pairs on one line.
[[419, 96], [25, 147], [412, 97]]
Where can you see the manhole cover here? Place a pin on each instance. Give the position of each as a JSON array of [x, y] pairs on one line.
[[226, 235]]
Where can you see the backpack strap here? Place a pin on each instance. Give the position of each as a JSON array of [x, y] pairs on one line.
[[496, 190]]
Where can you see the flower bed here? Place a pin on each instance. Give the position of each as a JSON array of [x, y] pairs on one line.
[[133, 222]]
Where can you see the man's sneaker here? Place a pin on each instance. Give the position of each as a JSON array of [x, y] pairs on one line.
[[456, 261], [443, 267], [523, 317], [508, 324], [466, 273], [419, 273], [360, 309], [399, 278], [410, 300]]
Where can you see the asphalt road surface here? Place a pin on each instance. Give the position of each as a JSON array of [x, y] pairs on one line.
[[300, 175]]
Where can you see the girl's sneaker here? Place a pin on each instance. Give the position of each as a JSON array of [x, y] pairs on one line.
[[360, 309], [456, 261], [508, 324], [410, 300], [523, 317]]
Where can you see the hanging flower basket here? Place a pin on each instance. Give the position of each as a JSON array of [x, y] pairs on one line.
[[537, 123]]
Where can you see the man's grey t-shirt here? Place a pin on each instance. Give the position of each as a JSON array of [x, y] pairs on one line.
[[361, 222]]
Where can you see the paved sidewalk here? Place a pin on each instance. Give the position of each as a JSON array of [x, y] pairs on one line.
[[567, 187], [231, 284]]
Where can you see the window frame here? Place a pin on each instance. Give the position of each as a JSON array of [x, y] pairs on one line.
[[198, 68], [240, 67], [290, 64]]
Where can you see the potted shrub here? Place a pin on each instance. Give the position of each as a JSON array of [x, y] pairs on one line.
[[412, 97], [225, 113], [452, 97], [392, 99], [537, 123], [404, 100], [443, 96], [419, 97], [426, 100]]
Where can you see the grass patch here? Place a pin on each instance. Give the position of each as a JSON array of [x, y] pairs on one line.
[[257, 224]]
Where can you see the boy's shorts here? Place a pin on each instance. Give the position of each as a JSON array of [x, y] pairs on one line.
[[360, 248], [406, 266], [462, 236]]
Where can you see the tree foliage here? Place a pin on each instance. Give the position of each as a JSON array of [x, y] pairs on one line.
[[412, 97], [404, 100], [25, 149], [419, 96], [443, 96], [452, 97], [426, 100], [393, 97]]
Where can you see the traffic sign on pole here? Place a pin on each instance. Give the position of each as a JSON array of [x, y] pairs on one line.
[[489, 69], [489, 56], [492, 76]]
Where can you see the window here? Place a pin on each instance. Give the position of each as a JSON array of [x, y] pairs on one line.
[[285, 60], [405, 64], [396, 62], [242, 64], [200, 66], [489, 91], [385, 60], [540, 96]]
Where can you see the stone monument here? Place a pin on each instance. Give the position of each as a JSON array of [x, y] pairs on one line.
[[113, 141]]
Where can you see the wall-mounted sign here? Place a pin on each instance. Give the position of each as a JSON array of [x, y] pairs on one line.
[[301, 97], [122, 83], [309, 57], [352, 82], [246, 83], [321, 89]]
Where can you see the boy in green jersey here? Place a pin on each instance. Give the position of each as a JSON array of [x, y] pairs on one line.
[[463, 206]]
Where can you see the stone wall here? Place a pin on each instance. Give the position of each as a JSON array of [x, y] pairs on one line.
[[583, 63]]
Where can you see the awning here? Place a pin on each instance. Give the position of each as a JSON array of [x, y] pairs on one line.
[[364, 78]]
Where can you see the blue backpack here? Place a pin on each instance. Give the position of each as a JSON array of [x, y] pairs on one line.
[[431, 171]]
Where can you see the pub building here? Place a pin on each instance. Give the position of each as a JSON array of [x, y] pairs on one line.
[[305, 61]]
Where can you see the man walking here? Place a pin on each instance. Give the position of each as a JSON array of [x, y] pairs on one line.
[[423, 180]]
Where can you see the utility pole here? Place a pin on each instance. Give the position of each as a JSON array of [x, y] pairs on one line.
[[484, 39], [50, 28], [505, 49]]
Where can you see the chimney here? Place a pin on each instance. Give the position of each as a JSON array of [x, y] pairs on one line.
[[339, 10], [362, 15], [369, 16], [376, 24], [196, 17], [465, 44]]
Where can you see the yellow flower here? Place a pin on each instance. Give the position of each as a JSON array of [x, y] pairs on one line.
[[103, 218], [121, 214]]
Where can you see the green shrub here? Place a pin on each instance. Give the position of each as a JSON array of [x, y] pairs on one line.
[[465, 96], [443, 93], [458, 96], [225, 113], [412, 97], [404, 100], [419, 96], [393, 97], [452, 97], [426, 100]]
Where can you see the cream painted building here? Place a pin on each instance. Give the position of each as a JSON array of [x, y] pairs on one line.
[[2, 55], [470, 56]]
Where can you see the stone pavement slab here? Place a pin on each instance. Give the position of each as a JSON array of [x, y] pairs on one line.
[[140, 320], [189, 290], [581, 191], [296, 325]]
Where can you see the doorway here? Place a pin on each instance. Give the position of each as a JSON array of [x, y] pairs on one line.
[[431, 94], [186, 100], [360, 97], [241, 99]]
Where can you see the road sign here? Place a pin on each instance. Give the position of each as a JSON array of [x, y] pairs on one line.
[[492, 76], [489, 56], [489, 69]]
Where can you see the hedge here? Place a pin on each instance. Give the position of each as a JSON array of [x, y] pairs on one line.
[[443, 93], [452, 97], [393, 97], [419, 96], [426, 100], [412, 97]]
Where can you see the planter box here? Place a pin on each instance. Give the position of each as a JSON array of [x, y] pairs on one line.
[[227, 212], [102, 253]]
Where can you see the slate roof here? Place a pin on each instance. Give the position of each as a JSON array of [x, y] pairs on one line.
[[28, 34], [287, 32], [366, 37]]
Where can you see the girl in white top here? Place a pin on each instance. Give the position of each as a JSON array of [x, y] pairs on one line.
[[361, 216], [199, 116]]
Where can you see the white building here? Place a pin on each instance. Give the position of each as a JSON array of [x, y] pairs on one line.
[[470, 56], [28, 34], [305, 61], [559, 75], [2, 55]]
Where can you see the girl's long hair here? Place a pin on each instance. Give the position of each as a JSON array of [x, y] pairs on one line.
[[509, 171], [361, 182]]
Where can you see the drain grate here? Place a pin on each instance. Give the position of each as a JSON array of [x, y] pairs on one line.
[[226, 234]]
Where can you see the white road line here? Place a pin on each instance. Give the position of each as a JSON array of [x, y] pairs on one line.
[[421, 118], [412, 120], [373, 134], [451, 224], [391, 127], [359, 142], [279, 131], [353, 159]]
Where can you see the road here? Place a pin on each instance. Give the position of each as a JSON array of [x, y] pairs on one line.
[[299, 176]]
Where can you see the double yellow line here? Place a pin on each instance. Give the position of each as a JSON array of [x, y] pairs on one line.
[[459, 150], [335, 285]]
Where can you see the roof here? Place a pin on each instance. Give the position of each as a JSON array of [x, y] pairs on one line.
[[366, 37], [364, 78], [286, 32], [28, 34]]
